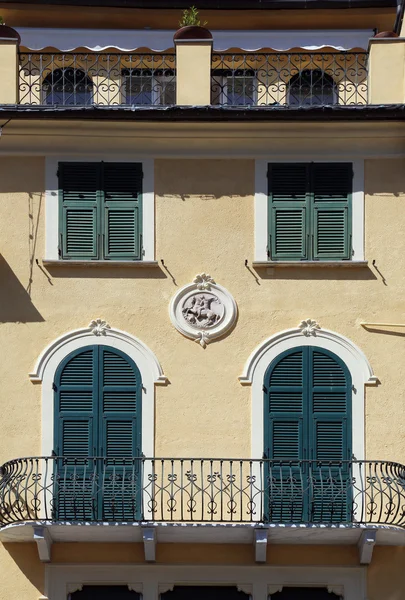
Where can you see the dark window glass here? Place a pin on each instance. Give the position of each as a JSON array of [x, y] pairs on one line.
[[311, 87], [69, 87]]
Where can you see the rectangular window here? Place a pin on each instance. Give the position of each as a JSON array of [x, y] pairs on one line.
[[147, 87], [233, 88], [310, 211], [100, 211]]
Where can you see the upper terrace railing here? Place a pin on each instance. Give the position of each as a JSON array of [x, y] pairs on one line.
[[83, 79], [201, 490], [289, 79], [275, 79]]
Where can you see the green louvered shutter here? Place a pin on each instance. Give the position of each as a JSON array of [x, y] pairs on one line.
[[79, 185], [307, 418], [331, 213], [122, 185], [120, 434], [329, 436], [75, 434], [288, 211], [284, 436]]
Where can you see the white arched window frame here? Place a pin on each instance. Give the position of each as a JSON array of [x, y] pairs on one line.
[[144, 358], [355, 360]]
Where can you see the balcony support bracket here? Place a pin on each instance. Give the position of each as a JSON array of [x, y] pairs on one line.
[[44, 543], [149, 543], [260, 542], [366, 546]]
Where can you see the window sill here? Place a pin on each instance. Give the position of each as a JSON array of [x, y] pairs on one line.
[[344, 264], [100, 263]]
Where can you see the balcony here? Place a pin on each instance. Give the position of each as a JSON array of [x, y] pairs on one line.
[[274, 80], [294, 79], [208, 500], [85, 79]]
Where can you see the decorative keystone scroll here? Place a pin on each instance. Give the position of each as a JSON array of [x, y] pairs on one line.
[[203, 310]]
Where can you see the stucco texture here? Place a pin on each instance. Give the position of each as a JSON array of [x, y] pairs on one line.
[[204, 222]]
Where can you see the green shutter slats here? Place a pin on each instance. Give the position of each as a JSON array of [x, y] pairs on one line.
[[76, 438], [78, 370], [119, 401], [97, 414], [332, 181], [310, 211], [76, 401], [122, 239], [119, 439], [288, 187], [79, 185], [122, 182], [331, 402], [288, 371], [331, 239], [326, 371], [100, 210], [329, 437], [307, 416], [122, 216], [286, 440], [288, 182], [289, 234], [282, 402], [117, 370]]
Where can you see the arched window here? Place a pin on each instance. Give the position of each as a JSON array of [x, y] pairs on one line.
[[308, 436], [311, 87], [68, 86], [97, 435]]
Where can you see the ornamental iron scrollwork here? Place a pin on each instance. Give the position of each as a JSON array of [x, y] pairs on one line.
[[100, 489]]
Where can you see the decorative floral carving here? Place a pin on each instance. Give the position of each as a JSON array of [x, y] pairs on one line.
[[203, 338], [203, 281], [309, 327], [99, 327], [202, 310]]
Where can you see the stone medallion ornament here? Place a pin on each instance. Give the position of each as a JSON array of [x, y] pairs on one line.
[[203, 310]]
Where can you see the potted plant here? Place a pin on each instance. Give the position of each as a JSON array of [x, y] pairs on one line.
[[191, 27], [8, 33]]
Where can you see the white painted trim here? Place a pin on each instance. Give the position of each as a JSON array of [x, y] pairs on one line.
[[43, 540], [261, 580], [261, 204], [52, 201], [144, 358], [355, 360]]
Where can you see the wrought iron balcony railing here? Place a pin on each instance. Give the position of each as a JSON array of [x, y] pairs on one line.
[[201, 490], [84, 79], [294, 79]]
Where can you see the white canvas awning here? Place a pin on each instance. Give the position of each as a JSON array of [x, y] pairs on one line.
[[159, 40]]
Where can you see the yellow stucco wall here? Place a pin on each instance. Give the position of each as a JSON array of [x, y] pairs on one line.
[[204, 222]]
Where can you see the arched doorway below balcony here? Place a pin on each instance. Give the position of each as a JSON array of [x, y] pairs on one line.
[[308, 436], [97, 435]]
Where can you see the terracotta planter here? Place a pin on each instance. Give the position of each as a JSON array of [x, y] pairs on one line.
[[192, 32], [8, 33], [386, 34]]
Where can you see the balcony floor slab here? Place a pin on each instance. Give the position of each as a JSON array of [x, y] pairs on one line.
[[202, 533]]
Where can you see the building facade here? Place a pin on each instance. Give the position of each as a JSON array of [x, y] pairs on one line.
[[202, 259]]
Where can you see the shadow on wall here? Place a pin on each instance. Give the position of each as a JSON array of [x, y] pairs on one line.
[[15, 302], [26, 558], [204, 180], [300, 272]]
